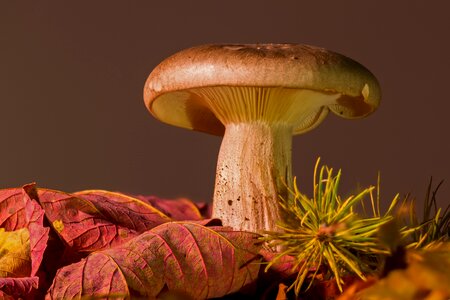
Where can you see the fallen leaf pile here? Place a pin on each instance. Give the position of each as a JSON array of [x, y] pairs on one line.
[[104, 245], [99, 244]]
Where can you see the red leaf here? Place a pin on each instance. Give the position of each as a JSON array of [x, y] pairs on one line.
[[5, 296], [124, 210], [181, 209], [205, 209], [96, 276], [283, 267], [38, 234], [93, 221], [18, 287], [184, 258], [18, 210], [208, 222], [38, 243], [12, 208]]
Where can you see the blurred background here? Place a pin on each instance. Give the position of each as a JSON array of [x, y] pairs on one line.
[[72, 73]]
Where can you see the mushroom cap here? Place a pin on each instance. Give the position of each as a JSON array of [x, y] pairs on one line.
[[177, 90]]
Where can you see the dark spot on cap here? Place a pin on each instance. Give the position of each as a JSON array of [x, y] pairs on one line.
[[230, 202]]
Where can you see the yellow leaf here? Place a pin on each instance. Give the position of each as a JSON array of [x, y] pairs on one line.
[[428, 273], [58, 225], [15, 259], [430, 269]]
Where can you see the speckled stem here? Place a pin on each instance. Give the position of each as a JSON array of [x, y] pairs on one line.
[[253, 168]]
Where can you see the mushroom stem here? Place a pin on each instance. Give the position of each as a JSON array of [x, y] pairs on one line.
[[253, 171]]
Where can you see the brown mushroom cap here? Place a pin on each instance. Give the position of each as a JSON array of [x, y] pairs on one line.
[[182, 90]]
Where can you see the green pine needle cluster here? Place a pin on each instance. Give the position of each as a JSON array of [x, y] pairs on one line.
[[434, 226], [325, 234]]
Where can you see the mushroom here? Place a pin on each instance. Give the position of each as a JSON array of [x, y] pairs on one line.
[[258, 97]]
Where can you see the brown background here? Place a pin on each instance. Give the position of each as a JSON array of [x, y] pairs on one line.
[[72, 74]]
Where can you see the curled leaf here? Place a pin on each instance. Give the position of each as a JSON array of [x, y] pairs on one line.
[[94, 220], [18, 208], [18, 287], [124, 210], [181, 209], [205, 209], [39, 234], [184, 258], [208, 222]]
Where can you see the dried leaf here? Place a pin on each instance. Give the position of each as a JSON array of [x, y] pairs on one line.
[[183, 258], [12, 208], [283, 267], [5, 296], [427, 273], [15, 260], [24, 238], [124, 210], [282, 289], [18, 208], [181, 209], [352, 292], [96, 276], [328, 289], [39, 234], [95, 220], [19, 287], [430, 268], [205, 209], [208, 222]]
